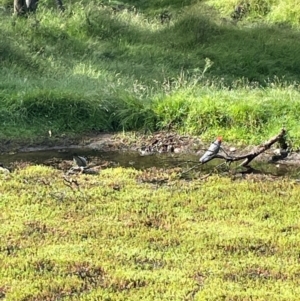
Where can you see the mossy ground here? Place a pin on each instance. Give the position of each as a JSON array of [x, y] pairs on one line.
[[147, 235]]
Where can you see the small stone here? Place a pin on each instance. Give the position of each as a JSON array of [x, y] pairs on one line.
[[4, 170], [232, 149]]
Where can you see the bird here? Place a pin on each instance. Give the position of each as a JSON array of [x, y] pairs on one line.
[[79, 161], [212, 151], [279, 154]]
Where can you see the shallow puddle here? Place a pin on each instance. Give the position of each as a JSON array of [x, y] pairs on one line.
[[135, 160]]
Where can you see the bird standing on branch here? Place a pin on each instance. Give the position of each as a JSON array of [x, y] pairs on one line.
[[212, 151]]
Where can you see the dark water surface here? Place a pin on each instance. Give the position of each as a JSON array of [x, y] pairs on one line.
[[135, 160]]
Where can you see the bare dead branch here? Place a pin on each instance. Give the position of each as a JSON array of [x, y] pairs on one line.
[[280, 138], [256, 151]]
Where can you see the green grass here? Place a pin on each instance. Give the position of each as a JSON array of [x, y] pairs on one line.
[[98, 69], [119, 237], [244, 116]]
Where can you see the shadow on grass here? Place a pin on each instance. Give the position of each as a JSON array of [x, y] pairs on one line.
[[255, 52]]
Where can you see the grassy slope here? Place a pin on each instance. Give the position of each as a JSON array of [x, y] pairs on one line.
[[121, 238], [117, 238], [92, 69]]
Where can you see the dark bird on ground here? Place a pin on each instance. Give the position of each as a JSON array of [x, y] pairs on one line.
[[79, 161], [279, 154], [212, 151]]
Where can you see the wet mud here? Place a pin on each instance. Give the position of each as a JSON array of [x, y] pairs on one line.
[[160, 150]]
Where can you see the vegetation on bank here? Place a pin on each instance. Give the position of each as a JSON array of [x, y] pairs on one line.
[[147, 235], [111, 66]]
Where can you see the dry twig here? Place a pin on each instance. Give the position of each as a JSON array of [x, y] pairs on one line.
[[256, 152], [280, 137]]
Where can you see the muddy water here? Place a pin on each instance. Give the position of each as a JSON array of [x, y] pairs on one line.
[[124, 159], [135, 160]]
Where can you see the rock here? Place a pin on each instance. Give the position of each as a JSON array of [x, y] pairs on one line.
[[4, 170]]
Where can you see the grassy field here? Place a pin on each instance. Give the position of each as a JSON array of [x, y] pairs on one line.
[[147, 235], [111, 66]]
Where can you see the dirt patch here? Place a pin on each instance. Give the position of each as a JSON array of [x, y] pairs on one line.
[[39, 143], [157, 142]]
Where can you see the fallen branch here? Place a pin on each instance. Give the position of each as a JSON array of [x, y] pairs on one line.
[[280, 138], [256, 152]]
